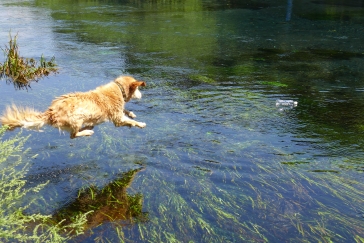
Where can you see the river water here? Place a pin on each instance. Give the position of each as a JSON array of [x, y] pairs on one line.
[[218, 161]]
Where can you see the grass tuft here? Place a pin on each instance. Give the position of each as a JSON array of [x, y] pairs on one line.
[[22, 71]]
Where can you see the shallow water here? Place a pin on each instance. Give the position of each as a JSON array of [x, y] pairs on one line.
[[221, 162]]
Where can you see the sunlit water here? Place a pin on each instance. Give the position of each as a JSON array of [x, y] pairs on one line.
[[221, 162]]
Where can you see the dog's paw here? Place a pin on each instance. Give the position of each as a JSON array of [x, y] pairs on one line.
[[142, 124], [84, 133], [131, 114], [88, 132]]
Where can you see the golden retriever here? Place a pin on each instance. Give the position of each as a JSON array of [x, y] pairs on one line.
[[79, 112]]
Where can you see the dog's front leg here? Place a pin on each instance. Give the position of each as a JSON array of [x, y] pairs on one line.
[[126, 121], [129, 113]]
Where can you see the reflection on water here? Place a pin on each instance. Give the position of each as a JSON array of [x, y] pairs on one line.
[[222, 164], [111, 203]]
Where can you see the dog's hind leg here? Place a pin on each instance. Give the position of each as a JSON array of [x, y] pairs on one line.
[[86, 128], [84, 133], [77, 131], [81, 133]]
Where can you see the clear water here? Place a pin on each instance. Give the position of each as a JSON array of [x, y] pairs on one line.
[[220, 162]]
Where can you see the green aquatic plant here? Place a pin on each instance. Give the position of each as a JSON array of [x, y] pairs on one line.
[[275, 84], [201, 78], [244, 191], [22, 71], [197, 210], [17, 225]]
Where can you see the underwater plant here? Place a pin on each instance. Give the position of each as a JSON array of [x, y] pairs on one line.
[[15, 223]]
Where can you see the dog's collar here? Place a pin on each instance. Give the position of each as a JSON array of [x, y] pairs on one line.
[[122, 90]]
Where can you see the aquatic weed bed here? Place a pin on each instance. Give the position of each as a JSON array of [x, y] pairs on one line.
[[213, 187]]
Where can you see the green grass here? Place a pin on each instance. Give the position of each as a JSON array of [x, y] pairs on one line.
[[22, 71], [17, 225]]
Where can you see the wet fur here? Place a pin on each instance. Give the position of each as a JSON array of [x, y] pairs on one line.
[[79, 112]]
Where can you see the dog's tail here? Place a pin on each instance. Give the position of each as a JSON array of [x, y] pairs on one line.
[[29, 118]]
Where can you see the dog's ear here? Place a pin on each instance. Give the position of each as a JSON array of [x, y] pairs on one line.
[[141, 83], [134, 85]]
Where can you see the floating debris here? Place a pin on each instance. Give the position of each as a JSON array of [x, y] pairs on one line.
[[286, 104]]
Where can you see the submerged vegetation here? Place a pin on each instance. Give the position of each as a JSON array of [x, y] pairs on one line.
[[15, 223], [22, 71], [244, 199], [91, 207]]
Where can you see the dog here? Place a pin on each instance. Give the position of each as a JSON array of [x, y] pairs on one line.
[[78, 113]]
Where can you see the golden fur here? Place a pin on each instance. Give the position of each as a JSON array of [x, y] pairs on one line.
[[79, 112]]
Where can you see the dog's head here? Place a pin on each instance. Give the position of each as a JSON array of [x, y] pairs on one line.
[[130, 87], [134, 89]]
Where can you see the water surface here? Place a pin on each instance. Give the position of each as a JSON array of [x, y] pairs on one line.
[[220, 163]]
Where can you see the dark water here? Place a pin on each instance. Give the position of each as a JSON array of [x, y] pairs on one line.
[[220, 163]]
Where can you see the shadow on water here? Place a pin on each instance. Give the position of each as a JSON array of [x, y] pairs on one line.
[[112, 203]]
